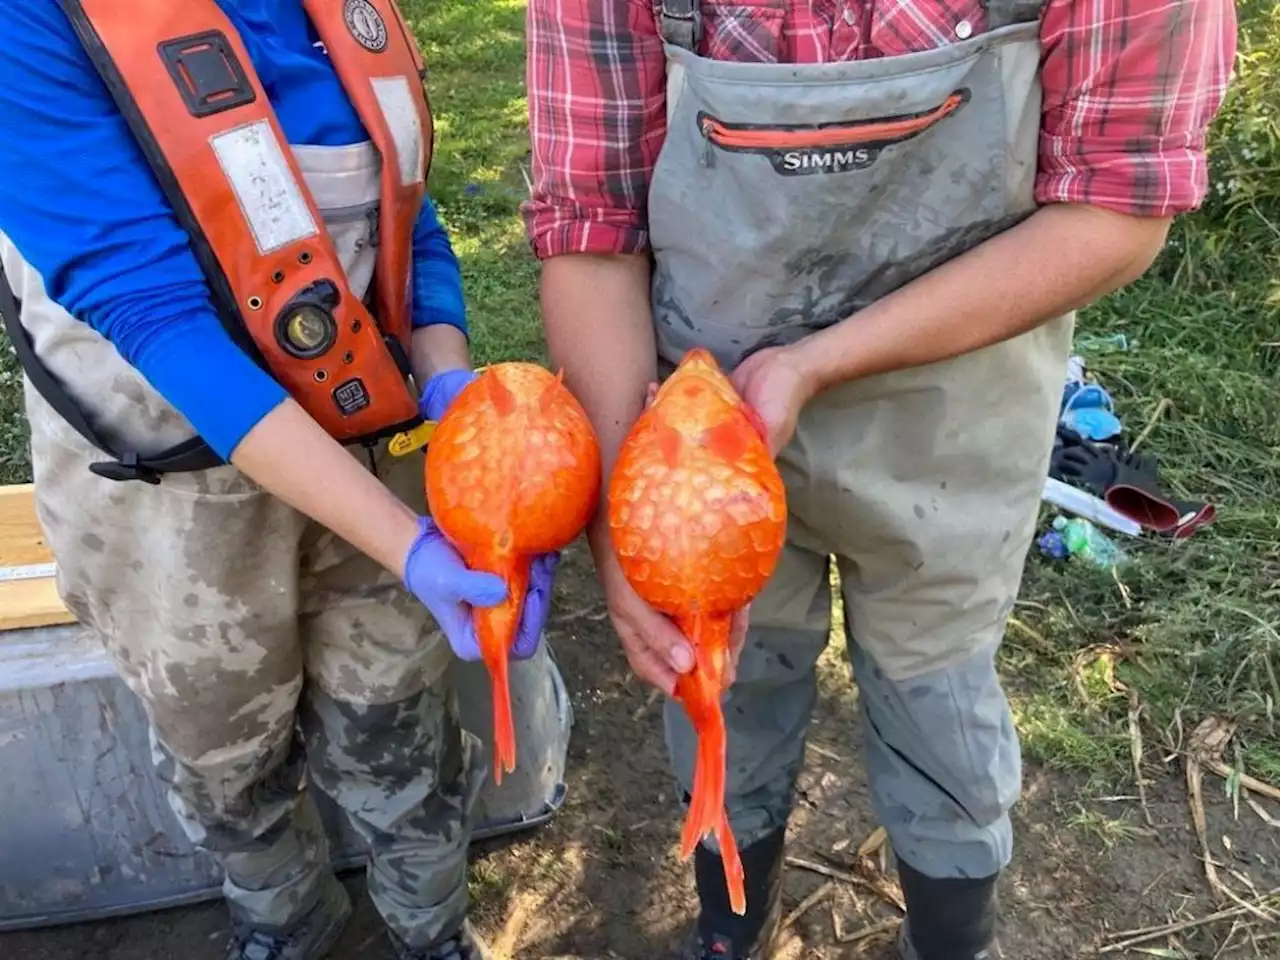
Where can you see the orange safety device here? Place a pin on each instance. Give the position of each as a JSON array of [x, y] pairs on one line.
[[182, 77]]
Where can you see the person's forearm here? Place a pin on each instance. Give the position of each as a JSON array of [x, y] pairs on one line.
[[599, 329], [435, 349], [1060, 259], [288, 454]]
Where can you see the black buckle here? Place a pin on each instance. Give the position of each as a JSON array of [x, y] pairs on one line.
[[208, 74], [124, 469]]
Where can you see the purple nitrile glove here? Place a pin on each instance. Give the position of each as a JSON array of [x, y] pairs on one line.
[[437, 575], [441, 390], [437, 395], [537, 605]]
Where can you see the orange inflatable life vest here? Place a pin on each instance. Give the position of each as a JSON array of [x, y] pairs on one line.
[[182, 78]]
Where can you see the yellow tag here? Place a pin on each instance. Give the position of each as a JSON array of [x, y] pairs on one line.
[[408, 441], [411, 440]]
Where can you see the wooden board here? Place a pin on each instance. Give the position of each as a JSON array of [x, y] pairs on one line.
[[32, 603], [29, 601], [21, 540]]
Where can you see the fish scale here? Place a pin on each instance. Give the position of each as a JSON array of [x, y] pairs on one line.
[[696, 462], [512, 471]]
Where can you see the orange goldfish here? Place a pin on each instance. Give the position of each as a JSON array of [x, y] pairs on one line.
[[512, 471], [697, 513]]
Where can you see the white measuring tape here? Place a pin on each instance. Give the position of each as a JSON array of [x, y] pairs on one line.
[[33, 571]]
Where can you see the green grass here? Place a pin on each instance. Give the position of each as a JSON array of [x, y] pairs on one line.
[[475, 58], [1194, 628], [1111, 832], [15, 456]]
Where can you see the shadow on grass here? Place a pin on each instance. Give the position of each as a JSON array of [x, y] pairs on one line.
[[611, 851]]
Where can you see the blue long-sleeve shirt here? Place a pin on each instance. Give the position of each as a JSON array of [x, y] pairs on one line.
[[80, 203]]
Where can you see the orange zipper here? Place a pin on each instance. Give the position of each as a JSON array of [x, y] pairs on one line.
[[836, 135]]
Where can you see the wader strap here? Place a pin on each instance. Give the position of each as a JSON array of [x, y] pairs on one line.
[[190, 455], [1005, 13], [682, 23]]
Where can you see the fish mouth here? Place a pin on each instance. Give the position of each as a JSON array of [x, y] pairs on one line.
[[700, 358], [699, 371]]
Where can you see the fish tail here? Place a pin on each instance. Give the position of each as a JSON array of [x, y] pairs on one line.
[[699, 691], [707, 815], [706, 802], [504, 730], [734, 877], [496, 631]]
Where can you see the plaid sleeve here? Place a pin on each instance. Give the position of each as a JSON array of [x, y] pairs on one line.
[[1130, 88], [596, 79]]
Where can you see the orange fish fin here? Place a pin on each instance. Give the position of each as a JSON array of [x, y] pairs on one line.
[[551, 394], [694, 816], [504, 730], [706, 802], [504, 401], [495, 632], [697, 692], [734, 877], [730, 439], [669, 441]]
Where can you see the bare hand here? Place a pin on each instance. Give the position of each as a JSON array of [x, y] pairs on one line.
[[656, 649], [738, 630], [776, 386], [737, 640]]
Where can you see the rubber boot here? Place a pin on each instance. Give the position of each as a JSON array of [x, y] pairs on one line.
[[720, 934], [947, 919], [310, 938], [466, 944]]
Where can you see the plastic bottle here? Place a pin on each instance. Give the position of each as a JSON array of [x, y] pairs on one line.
[[1087, 542]]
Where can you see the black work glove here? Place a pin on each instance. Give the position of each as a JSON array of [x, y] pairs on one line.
[[1083, 464], [1129, 482]]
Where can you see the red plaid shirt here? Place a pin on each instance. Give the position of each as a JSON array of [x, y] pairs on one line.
[[1130, 87]]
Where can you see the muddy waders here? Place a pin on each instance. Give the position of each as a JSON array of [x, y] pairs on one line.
[[787, 197]]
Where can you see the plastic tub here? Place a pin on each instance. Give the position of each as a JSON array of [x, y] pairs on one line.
[[86, 831]]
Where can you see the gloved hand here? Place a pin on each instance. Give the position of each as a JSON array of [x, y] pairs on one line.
[[537, 605], [1081, 463], [441, 390], [437, 575]]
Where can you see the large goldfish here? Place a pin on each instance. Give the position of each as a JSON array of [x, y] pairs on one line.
[[512, 471], [697, 513]]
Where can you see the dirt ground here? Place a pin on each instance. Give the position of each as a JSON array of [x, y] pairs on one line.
[[603, 880]]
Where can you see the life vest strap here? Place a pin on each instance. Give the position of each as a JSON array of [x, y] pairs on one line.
[[190, 455], [184, 83]]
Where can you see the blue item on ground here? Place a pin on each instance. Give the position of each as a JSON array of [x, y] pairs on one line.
[[1051, 545], [1088, 410]]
